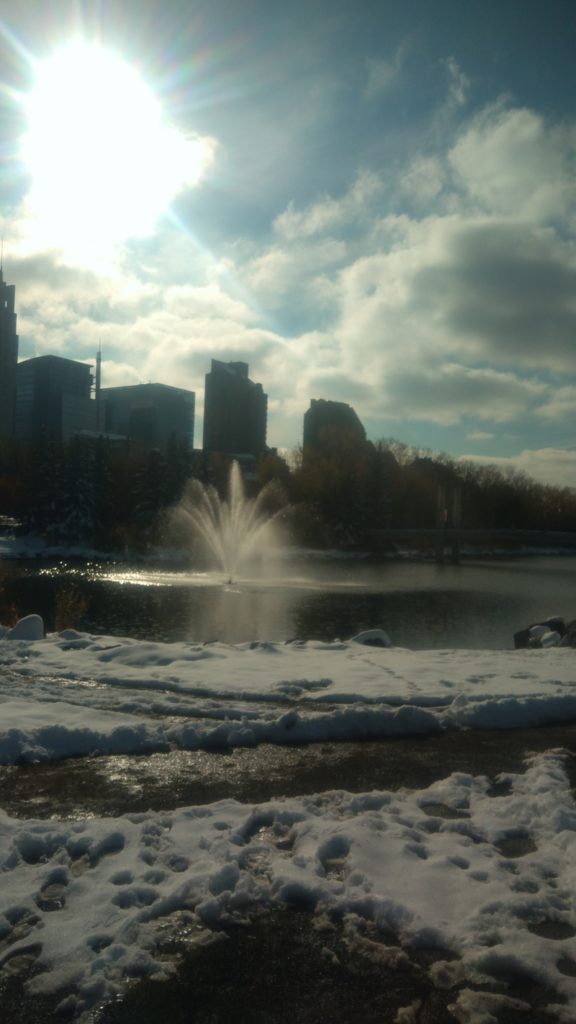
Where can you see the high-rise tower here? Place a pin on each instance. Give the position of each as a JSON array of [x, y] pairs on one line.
[[329, 425], [53, 399], [235, 411], [8, 356], [149, 415]]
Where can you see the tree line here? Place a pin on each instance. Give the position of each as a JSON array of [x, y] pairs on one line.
[[358, 487], [93, 492]]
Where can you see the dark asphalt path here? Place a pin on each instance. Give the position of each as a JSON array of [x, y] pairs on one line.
[[116, 785]]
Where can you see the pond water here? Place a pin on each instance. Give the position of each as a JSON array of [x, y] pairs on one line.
[[477, 604]]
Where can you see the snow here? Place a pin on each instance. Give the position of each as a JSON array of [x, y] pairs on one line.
[[145, 696], [487, 878], [31, 627]]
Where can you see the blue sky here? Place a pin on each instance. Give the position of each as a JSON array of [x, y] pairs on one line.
[[383, 212]]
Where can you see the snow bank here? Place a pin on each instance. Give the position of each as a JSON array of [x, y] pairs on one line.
[[72, 693]]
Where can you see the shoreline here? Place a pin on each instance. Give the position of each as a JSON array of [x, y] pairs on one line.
[[33, 548]]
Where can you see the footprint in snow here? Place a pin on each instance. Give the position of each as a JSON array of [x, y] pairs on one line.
[[333, 856], [21, 923], [516, 846], [52, 895]]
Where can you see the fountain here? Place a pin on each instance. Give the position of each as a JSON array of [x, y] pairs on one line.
[[231, 529]]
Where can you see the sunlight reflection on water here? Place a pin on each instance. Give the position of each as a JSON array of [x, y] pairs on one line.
[[420, 605]]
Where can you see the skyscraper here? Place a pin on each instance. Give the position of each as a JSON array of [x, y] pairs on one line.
[[54, 399], [330, 425], [151, 415], [8, 357], [235, 411]]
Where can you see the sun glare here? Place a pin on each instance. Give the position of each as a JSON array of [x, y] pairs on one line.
[[103, 161]]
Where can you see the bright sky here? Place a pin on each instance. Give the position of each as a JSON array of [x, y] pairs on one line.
[[373, 203]]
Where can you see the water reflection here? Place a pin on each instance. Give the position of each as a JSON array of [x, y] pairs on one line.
[[477, 604]]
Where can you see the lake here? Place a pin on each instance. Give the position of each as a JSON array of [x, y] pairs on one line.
[[477, 604]]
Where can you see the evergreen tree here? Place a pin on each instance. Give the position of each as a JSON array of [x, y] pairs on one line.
[[44, 489], [79, 491], [150, 493]]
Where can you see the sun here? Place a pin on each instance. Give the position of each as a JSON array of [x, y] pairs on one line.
[[103, 161]]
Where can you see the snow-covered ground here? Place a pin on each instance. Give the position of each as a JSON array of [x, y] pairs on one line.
[[156, 696], [486, 875]]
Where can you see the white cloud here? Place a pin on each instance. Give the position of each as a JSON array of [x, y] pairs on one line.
[[513, 163], [328, 214], [279, 270], [115, 375], [188, 301], [182, 349], [503, 290], [555, 466], [450, 393], [424, 179], [338, 386], [480, 435], [560, 406], [484, 291]]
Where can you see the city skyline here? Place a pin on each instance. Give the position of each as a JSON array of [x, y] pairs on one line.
[[372, 204]]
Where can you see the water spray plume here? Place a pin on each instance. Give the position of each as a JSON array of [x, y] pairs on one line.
[[234, 528]]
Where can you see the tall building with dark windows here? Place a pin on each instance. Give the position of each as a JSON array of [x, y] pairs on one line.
[[235, 411], [53, 399], [329, 425], [8, 357], [150, 415]]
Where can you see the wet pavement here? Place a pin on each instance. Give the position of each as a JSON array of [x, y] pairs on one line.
[[109, 786]]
